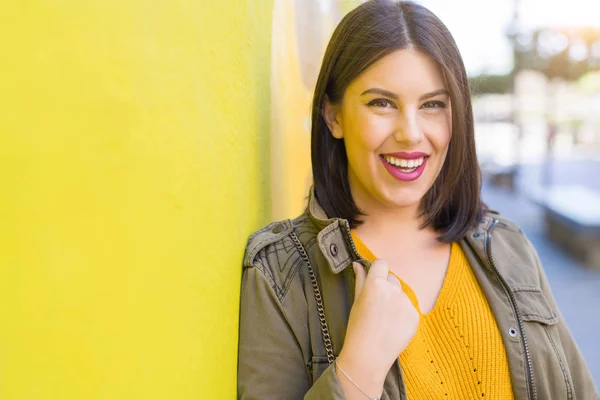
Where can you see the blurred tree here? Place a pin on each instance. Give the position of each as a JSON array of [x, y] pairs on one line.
[[562, 54], [566, 54], [490, 84]]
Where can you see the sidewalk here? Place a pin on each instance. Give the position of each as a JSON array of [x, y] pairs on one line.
[[575, 287]]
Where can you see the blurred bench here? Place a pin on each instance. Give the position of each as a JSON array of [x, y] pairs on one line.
[[572, 216]]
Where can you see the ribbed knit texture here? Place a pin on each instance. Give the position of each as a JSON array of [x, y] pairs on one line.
[[457, 352]]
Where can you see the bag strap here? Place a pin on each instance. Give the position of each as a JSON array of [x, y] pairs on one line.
[[318, 298]]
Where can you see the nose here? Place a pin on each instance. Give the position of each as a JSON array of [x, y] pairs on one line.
[[408, 129]]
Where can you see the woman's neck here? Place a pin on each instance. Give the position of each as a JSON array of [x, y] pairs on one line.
[[396, 227]]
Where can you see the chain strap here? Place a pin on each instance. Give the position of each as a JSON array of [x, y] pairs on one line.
[[318, 298]]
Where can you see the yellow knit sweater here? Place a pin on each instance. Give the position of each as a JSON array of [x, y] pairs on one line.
[[457, 352]]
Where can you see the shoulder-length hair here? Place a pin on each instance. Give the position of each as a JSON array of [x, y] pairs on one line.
[[366, 34]]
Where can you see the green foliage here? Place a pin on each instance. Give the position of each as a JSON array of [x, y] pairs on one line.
[[490, 84], [559, 53]]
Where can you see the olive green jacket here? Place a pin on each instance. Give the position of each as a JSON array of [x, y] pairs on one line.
[[282, 354]]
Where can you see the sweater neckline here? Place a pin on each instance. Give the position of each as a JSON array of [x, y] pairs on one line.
[[450, 283]]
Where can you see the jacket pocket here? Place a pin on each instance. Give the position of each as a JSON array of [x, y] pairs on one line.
[[533, 305], [551, 372]]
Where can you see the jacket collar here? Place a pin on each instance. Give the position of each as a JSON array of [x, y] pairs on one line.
[[316, 213], [334, 238], [338, 248]]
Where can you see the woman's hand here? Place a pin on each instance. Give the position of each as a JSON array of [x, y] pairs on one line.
[[381, 324]]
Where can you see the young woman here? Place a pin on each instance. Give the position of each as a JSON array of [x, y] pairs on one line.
[[460, 308]]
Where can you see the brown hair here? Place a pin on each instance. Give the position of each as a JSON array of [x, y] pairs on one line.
[[365, 35]]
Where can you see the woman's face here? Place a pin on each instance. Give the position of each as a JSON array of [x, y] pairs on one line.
[[396, 123]]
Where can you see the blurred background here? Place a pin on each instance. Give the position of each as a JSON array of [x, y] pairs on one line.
[[142, 142], [534, 68]]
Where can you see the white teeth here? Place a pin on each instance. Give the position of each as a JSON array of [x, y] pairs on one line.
[[406, 164]]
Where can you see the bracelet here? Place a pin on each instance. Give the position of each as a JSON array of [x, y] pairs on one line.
[[354, 383]]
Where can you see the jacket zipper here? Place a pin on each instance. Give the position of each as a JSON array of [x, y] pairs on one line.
[[532, 394], [352, 245]]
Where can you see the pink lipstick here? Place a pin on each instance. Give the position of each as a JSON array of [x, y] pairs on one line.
[[398, 173]]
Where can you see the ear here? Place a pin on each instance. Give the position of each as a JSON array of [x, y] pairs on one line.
[[331, 116]]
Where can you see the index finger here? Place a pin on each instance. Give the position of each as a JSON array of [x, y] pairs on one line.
[[379, 270]]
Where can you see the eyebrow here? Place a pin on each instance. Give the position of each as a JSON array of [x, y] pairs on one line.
[[394, 96]]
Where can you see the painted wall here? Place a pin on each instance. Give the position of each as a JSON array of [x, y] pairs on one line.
[[133, 164], [301, 30], [140, 143]]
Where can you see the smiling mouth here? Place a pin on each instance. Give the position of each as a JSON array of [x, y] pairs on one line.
[[402, 164]]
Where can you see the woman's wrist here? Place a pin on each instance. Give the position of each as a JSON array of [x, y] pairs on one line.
[[357, 380]]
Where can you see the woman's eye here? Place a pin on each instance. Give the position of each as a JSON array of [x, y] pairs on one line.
[[434, 104], [383, 103]]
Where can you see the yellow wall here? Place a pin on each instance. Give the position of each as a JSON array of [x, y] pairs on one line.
[[139, 147], [133, 164], [301, 29]]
